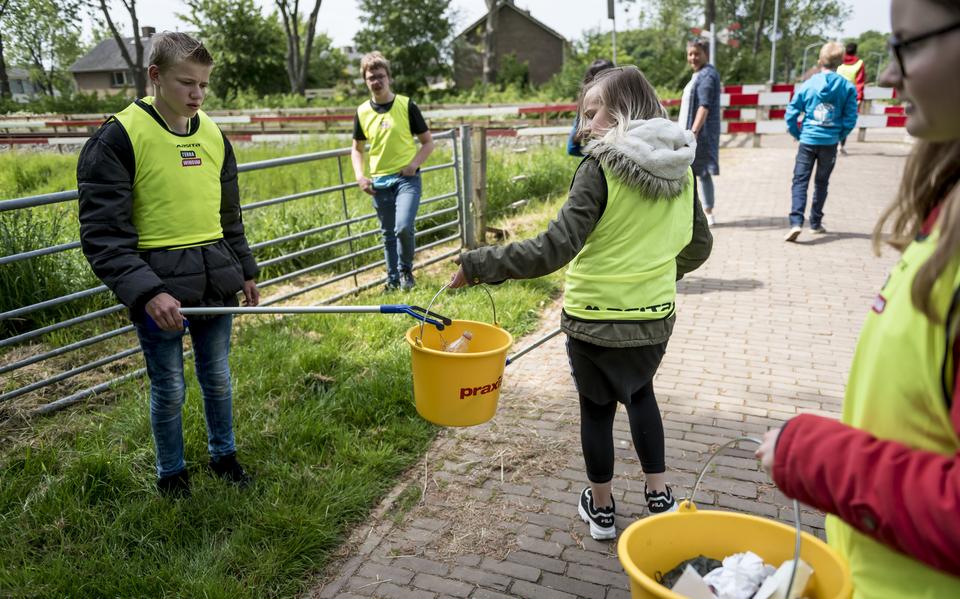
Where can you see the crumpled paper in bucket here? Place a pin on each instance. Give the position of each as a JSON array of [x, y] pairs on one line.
[[740, 577]]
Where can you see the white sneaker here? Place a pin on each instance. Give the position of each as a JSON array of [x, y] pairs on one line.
[[710, 220], [793, 234], [601, 520]]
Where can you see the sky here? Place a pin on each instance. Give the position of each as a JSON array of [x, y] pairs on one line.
[[340, 19]]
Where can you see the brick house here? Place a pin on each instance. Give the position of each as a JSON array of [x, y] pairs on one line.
[[103, 69], [517, 33]]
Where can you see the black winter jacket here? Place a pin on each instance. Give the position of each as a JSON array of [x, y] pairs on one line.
[[208, 275]]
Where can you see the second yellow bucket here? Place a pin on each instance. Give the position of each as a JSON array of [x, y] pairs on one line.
[[659, 543], [453, 389]]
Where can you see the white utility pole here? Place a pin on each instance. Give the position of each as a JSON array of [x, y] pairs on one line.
[[713, 44], [612, 15], [773, 47]]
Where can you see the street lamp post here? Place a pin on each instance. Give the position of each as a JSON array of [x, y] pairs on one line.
[[803, 64], [773, 48], [880, 56]]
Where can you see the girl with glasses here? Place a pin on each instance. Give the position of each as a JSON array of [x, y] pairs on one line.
[[889, 473]]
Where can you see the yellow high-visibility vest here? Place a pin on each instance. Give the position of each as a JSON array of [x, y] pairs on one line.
[[627, 269], [849, 71], [391, 141], [899, 389], [176, 185]]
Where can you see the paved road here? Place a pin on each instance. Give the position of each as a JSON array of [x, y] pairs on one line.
[[765, 330]]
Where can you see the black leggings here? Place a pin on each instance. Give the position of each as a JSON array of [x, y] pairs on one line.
[[646, 428]]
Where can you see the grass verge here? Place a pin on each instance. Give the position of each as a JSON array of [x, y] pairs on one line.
[[324, 419]]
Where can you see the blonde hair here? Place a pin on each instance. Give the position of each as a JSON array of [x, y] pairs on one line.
[[831, 55], [172, 47], [627, 96], [931, 176], [374, 60]]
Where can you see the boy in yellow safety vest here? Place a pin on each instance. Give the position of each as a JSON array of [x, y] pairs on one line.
[[389, 121], [160, 224], [853, 71]]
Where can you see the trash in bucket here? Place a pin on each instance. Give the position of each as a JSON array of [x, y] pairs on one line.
[[458, 389]]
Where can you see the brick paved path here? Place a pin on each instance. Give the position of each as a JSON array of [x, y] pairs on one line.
[[765, 330]]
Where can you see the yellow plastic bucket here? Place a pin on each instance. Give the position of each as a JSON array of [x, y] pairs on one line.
[[452, 389], [659, 543]]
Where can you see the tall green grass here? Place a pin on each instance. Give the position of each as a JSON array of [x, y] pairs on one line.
[[324, 420]]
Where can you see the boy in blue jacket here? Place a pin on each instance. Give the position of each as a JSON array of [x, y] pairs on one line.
[[829, 105]]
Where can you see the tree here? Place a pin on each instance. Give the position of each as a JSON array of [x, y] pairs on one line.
[[246, 45], [413, 35], [135, 63], [298, 58], [489, 41], [4, 79], [45, 36]]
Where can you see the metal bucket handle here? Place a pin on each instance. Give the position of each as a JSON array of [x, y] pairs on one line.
[[796, 504], [493, 305]]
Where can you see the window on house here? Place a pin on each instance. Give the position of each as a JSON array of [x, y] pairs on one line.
[[16, 86], [120, 78]]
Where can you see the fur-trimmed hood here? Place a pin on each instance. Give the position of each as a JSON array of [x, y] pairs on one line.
[[653, 156]]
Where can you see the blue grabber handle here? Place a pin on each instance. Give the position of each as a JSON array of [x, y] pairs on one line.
[[421, 314]]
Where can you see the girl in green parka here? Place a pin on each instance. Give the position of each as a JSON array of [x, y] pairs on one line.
[[632, 225]]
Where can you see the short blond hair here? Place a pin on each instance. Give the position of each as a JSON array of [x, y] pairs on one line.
[[831, 55], [374, 60], [172, 47]]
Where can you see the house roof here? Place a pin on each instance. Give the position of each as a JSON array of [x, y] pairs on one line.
[[524, 13], [18, 73], [106, 56]]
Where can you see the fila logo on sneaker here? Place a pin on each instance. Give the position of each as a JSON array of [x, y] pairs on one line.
[[472, 391]]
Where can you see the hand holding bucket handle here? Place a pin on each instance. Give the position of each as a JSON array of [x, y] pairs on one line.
[[688, 505]]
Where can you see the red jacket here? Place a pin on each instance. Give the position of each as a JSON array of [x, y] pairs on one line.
[[904, 498], [861, 74]]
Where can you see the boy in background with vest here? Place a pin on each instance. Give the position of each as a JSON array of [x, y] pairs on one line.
[[853, 71], [828, 103], [160, 224], [632, 225], [388, 121]]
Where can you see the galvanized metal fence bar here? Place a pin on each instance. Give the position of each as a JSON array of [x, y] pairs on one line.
[[353, 255]]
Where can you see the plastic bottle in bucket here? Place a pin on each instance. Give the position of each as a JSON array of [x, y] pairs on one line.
[[461, 345]]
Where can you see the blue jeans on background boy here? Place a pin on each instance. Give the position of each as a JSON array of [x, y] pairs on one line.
[[824, 157], [163, 352], [397, 207]]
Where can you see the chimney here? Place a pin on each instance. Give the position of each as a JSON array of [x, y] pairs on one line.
[[147, 31]]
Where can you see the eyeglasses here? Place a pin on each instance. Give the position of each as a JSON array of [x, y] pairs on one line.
[[373, 78], [896, 47]]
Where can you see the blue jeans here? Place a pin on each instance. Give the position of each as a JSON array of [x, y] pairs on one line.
[[824, 157], [397, 210], [163, 352], [706, 191]]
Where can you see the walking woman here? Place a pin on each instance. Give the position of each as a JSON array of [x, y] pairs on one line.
[[700, 113]]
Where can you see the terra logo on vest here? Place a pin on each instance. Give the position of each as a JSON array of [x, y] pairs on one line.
[[189, 158], [471, 391]]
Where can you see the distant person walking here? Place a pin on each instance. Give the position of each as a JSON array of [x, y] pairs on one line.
[[853, 71], [574, 145], [828, 103], [700, 113], [389, 122]]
